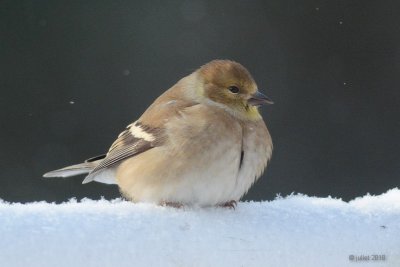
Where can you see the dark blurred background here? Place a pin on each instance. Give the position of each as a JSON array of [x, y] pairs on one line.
[[73, 74]]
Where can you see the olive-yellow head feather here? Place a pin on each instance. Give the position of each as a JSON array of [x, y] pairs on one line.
[[230, 85]]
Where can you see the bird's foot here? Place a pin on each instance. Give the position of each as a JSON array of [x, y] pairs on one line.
[[172, 204], [230, 204]]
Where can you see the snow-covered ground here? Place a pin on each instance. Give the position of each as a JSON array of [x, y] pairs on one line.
[[293, 231]]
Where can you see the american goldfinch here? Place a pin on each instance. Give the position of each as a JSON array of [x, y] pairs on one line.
[[202, 142]]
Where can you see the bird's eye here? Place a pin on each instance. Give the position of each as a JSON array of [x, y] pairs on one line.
[[233, 89]]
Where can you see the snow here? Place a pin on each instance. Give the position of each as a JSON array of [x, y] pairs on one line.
[[296, 230]]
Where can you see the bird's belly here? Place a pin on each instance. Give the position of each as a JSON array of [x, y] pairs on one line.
[[247, 174], [204, 179], [211, 184]]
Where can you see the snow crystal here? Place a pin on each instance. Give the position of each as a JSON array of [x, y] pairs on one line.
[[293, 231]]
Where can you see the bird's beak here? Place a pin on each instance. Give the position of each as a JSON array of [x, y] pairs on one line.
[[258, 99]]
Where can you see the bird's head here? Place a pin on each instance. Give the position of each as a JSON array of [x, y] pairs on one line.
[[229, 85]]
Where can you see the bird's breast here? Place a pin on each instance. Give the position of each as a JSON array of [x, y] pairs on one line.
[[257, 150], [201, 162]]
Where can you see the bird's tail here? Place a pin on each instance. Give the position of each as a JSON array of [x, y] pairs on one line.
[[73, 170], [85, 167], [105, 176]]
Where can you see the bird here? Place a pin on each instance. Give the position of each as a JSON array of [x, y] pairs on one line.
[[203, 142]]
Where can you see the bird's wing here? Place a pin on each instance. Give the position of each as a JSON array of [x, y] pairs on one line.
[[99, 157], [141, 135], [135, 139]]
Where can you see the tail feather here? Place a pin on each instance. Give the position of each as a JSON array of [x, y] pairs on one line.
[[105, 176], [73, 170]]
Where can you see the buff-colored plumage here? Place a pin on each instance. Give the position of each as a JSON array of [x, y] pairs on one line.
[[202, 142]]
